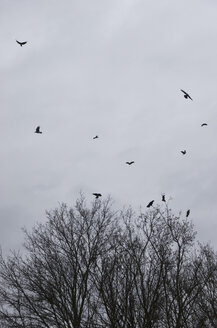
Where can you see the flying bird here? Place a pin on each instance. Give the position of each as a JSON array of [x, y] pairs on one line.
[[186, 95], [163, 198], [183, 152], [21, 43], [187, 213], [95, 137], [97, 195], [130, 163], [150, 204], [204, 124], [37, 130]]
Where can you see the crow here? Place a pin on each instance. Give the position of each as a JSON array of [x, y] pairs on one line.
[[163, 198], [37, 130], [95, 137], [150, 204], [186, 95], [204, 124], [21, 43], [187, 213], [129, 163], [97, 195], [183, 152]]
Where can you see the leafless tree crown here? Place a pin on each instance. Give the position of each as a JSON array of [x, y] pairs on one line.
[[97, 268]]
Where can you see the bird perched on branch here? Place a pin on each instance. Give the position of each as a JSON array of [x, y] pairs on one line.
[[97, 195], [130, 163], [37, 130], [183, 152], [187, 213], [21, 43], [204, 124], [95, 137], [186, 95], [163, 198], [150, 204]]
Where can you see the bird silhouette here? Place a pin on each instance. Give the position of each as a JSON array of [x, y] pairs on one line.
[[183, 152], [163, 198], [130, 163], [186, 95], [150, 204], [204, 124], [187, 213], [95, 137], [21, 43], [37, 130], [97, 195]]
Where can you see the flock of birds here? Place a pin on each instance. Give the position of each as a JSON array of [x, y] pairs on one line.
[[164, 200], [97, 195]]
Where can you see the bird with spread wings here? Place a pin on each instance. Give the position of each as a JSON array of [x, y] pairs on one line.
[[186, 95], [21, 43], [150, 203], [97, 195]]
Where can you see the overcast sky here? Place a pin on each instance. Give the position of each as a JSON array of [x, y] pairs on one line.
[[112, 68]]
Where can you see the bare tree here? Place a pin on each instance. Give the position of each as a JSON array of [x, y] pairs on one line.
[[53, 286], [96, 268], [206, 303]]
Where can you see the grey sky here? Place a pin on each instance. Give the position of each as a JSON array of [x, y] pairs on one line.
[[112, 68]]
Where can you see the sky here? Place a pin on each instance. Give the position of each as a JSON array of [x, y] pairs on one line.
[[113, 69]]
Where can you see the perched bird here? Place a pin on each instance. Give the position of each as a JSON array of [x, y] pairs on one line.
[[150, 204], [163, 198], [130, 163], [95, 137], [37, 130], [204, 124], [187, 213], [21, 43], [183, 152], [186, 95], [97, 195]]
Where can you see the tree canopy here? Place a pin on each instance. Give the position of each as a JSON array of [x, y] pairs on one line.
[[93, 267]]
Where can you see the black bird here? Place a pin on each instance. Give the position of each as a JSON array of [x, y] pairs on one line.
[[204, 124], [163, 198], [130, 163], [186, 95], [37, 130], [97, 195], [95, 137], [187, 213], [21, 43], [150, 204], [183, 152]]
